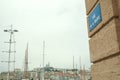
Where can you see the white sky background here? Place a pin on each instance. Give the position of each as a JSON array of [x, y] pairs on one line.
[[61, 23]]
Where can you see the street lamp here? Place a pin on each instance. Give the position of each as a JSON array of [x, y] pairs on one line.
[[11, 31]]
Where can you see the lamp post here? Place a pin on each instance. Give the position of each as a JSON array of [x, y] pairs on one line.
[[11, 31]]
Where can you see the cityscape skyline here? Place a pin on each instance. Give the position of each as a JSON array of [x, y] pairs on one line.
[[60, 23]]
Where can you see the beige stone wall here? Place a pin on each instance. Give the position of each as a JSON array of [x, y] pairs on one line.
[[108, 69], [105, 40], [105, 43], [118, 30], [89, 5], [109, 9]]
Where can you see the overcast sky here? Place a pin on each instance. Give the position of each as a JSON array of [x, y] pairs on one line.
[[61, 23]]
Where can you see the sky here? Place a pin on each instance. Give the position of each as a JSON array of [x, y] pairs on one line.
[[60, 23]]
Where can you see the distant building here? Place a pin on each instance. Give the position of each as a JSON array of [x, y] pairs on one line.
[[4, 76], [48, 73], [18, 74]]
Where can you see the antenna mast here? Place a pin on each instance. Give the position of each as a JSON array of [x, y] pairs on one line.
[[11, 31], [81, 72], [43, 57], [73, 62]]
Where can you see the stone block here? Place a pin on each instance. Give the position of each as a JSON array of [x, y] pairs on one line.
[[108, 69], [90, 4], [105, 42]]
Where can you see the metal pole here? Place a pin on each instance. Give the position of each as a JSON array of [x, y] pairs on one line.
[[11, 31], [14, 54], [73, 62], [9, 52], [43, 58], [81, 72]]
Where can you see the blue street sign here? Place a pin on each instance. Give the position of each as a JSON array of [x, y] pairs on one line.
[[95, 17]]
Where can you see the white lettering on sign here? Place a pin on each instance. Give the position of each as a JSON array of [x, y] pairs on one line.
[[93, 17], [95, 20]]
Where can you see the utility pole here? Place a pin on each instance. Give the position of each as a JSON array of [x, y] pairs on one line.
[[11, 31]]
